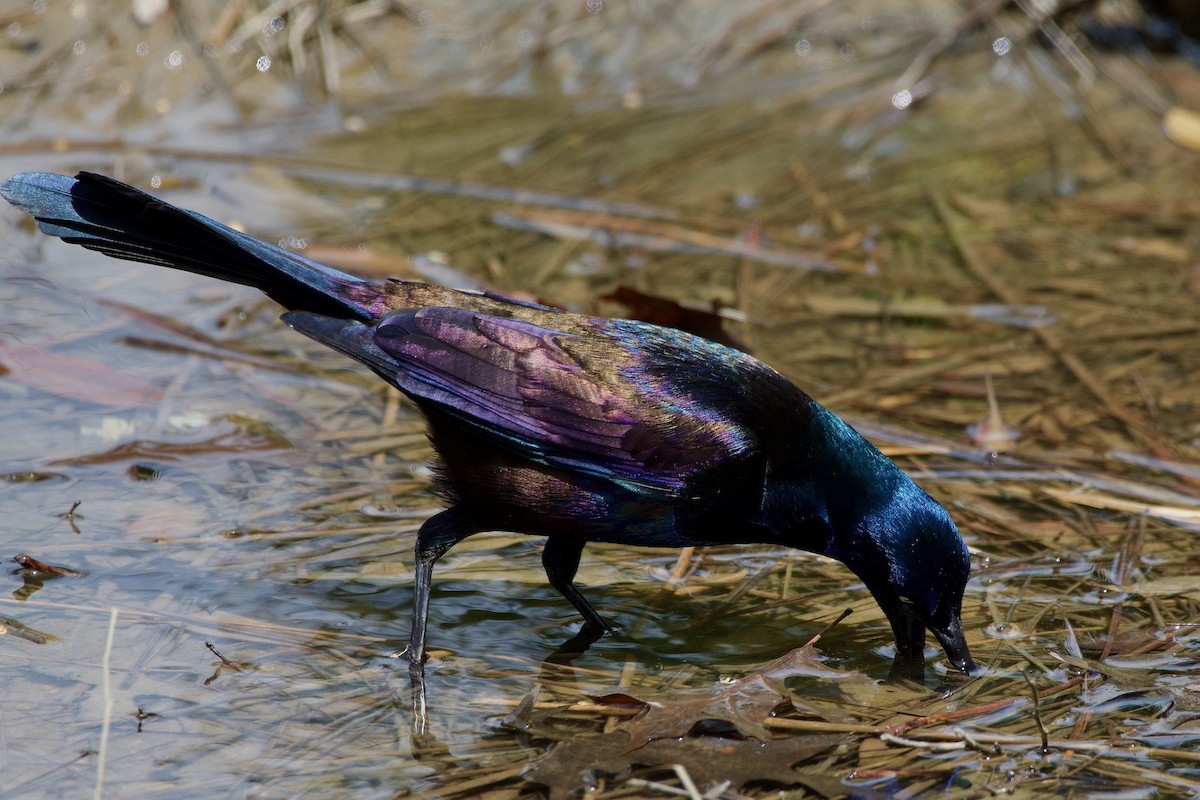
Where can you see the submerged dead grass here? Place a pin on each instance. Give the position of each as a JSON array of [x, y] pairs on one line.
[[1001, 294]]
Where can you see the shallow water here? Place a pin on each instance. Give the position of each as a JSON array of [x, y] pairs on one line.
[[240, 488]]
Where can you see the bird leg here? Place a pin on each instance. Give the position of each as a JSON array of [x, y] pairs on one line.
[[437, 535], [560, 558], [910, 636]]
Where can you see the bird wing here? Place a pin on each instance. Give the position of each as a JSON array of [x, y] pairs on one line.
[[607, 398]]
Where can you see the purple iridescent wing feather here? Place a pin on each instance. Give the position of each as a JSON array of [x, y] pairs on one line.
[[595, 404]]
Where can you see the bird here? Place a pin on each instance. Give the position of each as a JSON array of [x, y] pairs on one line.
[[580, 429]]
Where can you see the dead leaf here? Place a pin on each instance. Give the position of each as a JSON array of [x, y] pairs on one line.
[[32, 565], [737, 709], [665, 311], [577, 762]]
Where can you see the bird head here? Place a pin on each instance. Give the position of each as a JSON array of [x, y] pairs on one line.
[[914, 562], [896, 538]]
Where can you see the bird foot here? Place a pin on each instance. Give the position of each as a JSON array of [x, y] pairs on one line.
[[407, 655]]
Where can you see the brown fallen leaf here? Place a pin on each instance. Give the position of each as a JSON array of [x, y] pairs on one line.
[[665, 311], [737, 709], [41, 568], [575, 762]]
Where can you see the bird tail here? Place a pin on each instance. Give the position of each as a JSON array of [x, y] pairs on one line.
[[110, 217]]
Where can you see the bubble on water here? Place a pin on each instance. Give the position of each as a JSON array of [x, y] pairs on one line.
[[263, 64], [1004, 631]]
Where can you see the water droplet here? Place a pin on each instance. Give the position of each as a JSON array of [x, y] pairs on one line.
[[1002, 46], [174, 60], [263, 64], [902, 99], [79, 48], [156, 182], [274, 26], [595, 6], [13, 30], [142, 49], [803, 48], [487, 42]]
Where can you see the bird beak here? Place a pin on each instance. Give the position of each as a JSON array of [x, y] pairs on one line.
[[955, 644], [909, 630]]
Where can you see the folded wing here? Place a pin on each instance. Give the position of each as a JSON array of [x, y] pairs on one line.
[[591, 400]]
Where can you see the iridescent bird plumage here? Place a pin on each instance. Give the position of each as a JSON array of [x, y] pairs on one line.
[[577, 428]]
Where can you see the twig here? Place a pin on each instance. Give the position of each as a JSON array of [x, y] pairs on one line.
[[687, 782], [106, 689], [1037, 713], [938, 747]]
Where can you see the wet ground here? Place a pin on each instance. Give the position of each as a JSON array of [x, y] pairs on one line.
[[993, 276]]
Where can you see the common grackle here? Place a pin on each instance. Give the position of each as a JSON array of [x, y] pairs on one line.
[[577, 428]]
